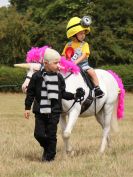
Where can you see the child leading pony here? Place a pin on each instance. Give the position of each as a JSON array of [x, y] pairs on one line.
[[106, 110]]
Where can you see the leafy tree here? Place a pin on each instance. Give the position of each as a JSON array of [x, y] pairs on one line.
[[21, 6], [45, 23], [112, 30], [15, 31]]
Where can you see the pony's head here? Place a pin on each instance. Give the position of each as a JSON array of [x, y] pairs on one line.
[[35, 57]]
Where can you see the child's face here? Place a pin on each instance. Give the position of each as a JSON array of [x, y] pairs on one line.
[[81, 35], [52, 66]]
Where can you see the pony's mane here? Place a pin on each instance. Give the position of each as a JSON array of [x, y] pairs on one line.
[[36, 55], [69, 66]]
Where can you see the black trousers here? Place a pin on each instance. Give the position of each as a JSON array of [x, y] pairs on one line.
[[45, 133]]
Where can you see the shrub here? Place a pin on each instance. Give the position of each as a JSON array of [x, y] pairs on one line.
[[11, 78], [126, 74]]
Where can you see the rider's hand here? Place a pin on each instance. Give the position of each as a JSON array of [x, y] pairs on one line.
[[27, 114]]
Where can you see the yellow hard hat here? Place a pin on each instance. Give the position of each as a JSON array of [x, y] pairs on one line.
[[77, 24]]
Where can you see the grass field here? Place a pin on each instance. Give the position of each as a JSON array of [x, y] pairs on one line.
[[20, 154]]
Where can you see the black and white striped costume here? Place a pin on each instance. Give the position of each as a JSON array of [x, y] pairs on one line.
[[50, 90], [55, 87]]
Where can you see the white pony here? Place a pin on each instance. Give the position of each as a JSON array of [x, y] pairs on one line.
[[106, 110]]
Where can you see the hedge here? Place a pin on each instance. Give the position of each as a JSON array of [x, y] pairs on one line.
[[126, 74], [11, 78]]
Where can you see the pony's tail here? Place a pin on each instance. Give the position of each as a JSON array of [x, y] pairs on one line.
[[121, 96]]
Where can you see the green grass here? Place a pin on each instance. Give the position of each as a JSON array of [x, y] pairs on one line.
[[20, 154]]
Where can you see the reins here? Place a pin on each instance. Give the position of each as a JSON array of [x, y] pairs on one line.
[[79, 100], [76, 100], [28, 77], [68, 76]]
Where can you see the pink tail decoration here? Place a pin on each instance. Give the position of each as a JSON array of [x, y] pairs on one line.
[[68, 66], [120, 108]]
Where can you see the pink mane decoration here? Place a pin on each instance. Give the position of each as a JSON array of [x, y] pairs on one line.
[[68, 66], [35, 54], [120, 109]]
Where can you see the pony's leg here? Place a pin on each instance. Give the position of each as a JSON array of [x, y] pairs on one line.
[[63, 124], [72, 118], [100, 119], [108, 109]]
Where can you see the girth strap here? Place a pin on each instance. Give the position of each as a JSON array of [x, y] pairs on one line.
[[87, 103]]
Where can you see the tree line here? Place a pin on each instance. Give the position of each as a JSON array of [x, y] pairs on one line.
[[29, 23]]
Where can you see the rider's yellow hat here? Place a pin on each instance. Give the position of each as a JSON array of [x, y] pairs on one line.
[[77, 24]]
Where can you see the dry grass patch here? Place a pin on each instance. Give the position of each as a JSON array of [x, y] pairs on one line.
[[20, 154]]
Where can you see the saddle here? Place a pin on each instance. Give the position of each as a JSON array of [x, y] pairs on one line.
[[87, 103]]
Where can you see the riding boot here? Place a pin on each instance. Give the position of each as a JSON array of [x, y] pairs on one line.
[[98, 92]]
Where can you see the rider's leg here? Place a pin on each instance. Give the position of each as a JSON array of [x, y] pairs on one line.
[[98, 92]]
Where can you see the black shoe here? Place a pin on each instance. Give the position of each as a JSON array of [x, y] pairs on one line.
[[46, 158], [98, 92]]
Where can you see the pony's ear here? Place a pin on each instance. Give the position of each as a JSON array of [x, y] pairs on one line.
[[31, 66]]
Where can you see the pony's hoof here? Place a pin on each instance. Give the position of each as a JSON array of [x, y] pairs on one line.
[[69, 150], [72, 153], [66, 135], [101, 151]]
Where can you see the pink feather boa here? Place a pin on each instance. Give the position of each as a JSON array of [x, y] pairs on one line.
[[68, 66], [120, 108], [35, 54]]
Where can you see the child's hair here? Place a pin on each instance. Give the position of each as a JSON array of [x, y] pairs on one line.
[[51, 55]]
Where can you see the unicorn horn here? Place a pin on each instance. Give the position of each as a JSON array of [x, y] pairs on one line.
[[22, 65], [32, 66]]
